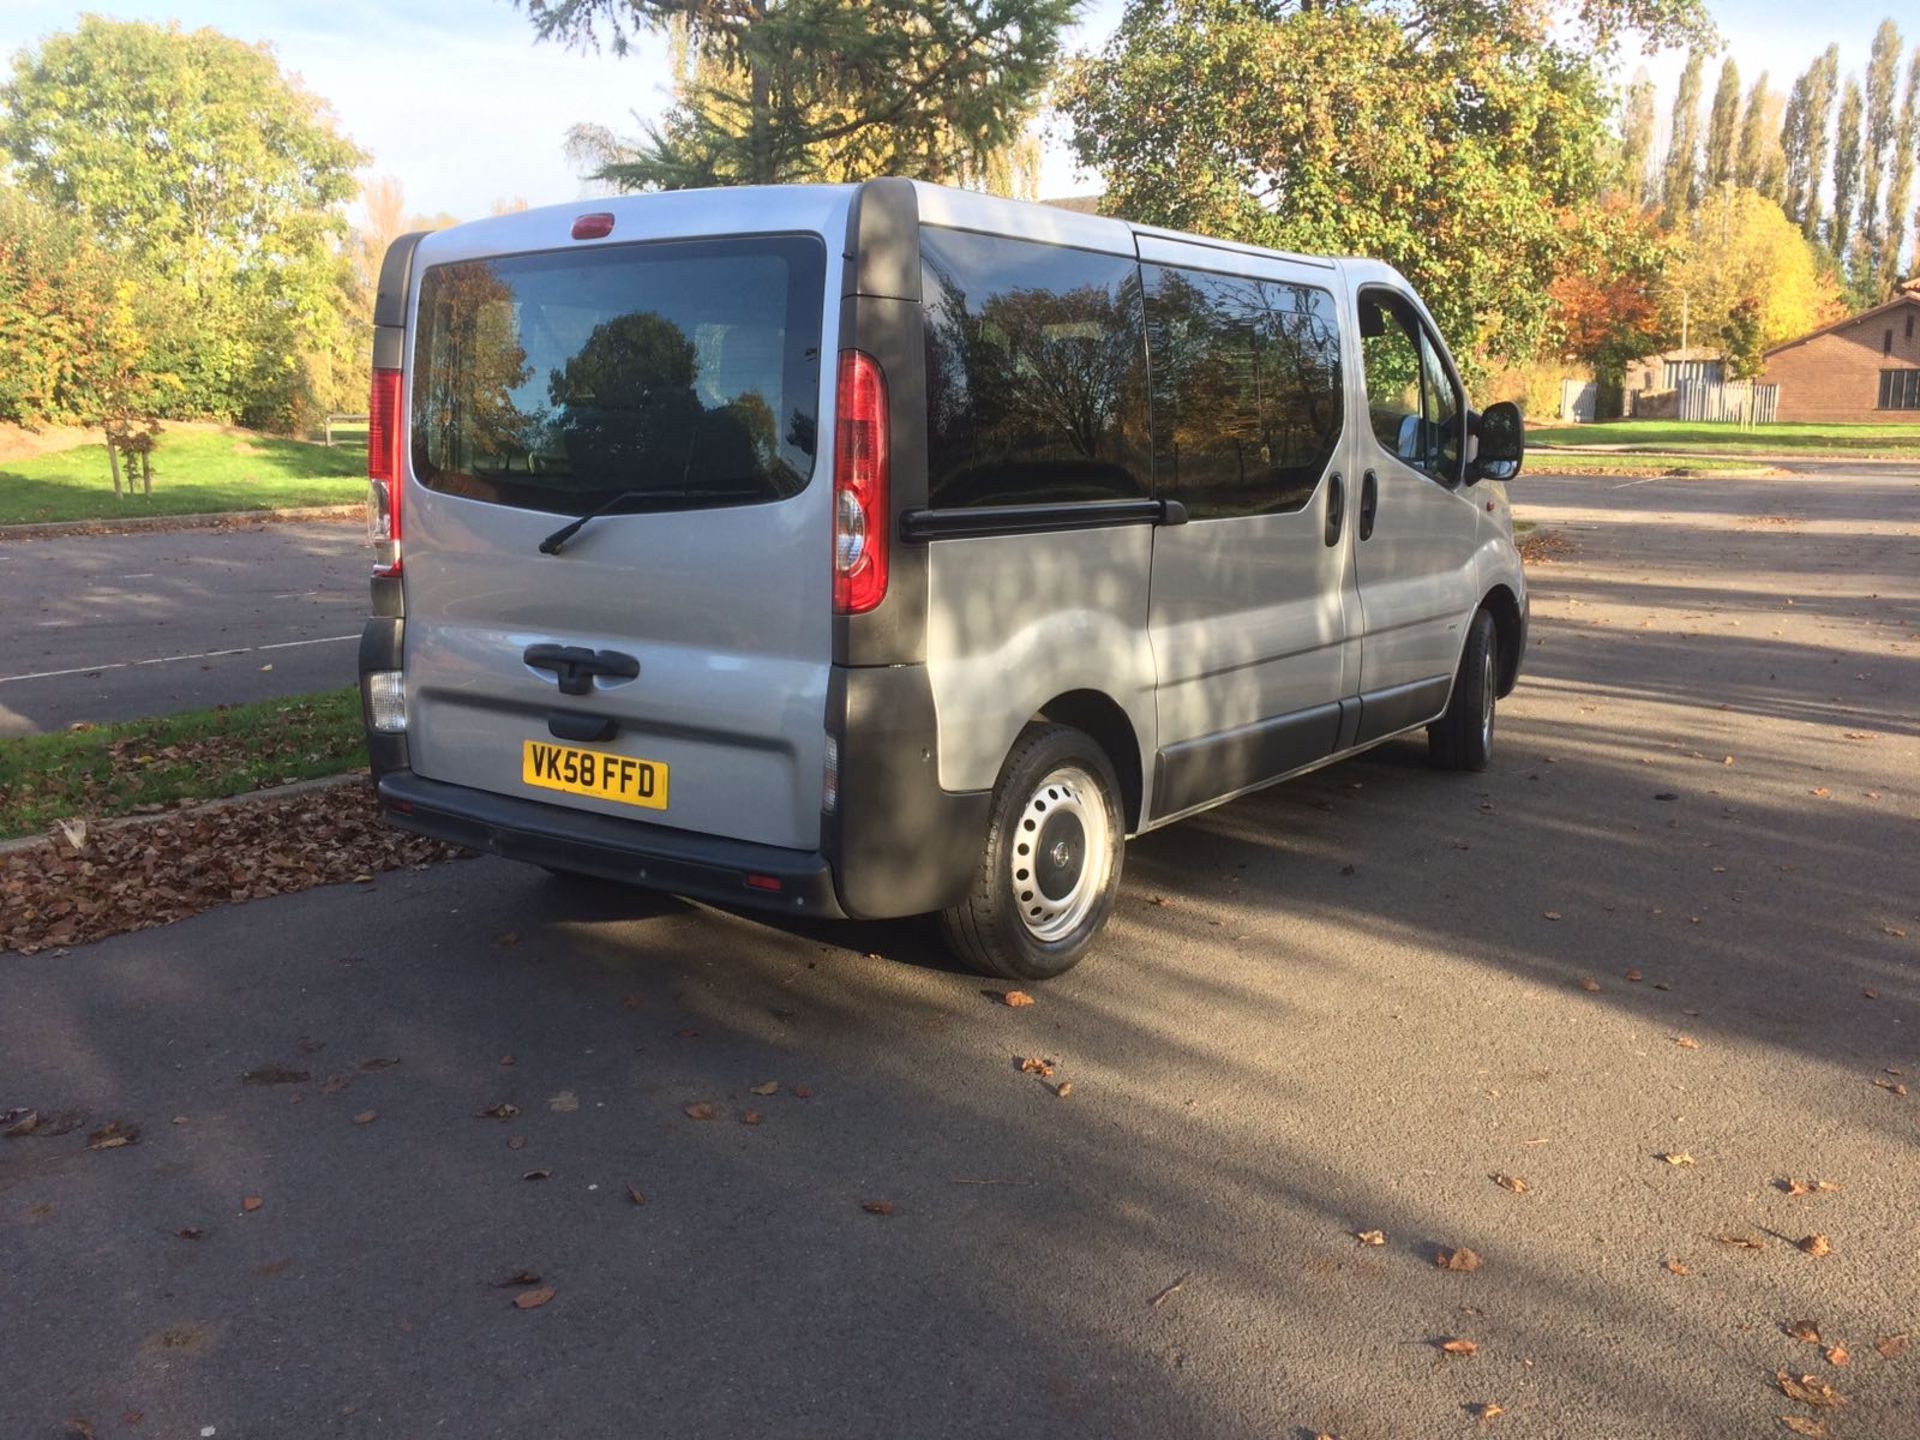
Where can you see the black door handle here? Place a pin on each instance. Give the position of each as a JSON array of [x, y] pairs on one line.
[[1336, 507], [1369, 502], [574, 666]]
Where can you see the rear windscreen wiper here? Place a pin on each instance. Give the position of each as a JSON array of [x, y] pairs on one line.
[[551, 545]]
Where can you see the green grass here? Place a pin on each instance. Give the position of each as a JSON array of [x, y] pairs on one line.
[[195, 472], [120, 769], [1786, 437], [1609, 462]]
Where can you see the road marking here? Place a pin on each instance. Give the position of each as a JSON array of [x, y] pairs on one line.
[[1643, 480], [170, 659]]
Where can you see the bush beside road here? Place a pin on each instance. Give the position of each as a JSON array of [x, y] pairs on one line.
[[197, 470]]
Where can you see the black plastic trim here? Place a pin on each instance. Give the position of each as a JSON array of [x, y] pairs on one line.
[[382, 646], [984, 520], [1192, 772], [900, 845], [680, 862], [1401, 707], [572, 725]]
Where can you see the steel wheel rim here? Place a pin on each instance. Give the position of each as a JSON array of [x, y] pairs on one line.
[[1486, 702], [1060, 855]]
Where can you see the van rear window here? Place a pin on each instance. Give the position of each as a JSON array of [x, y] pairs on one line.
[[688, 371]]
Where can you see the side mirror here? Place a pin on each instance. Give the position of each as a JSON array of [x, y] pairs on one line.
[[1502, 437]]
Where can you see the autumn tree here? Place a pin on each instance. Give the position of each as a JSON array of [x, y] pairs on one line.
[[1606, 309], [1636, 140], [1747, 250], [1723, 128], [1680, 178], [1846, 171], [1762, 164], [1444, 135], [1804, 139], [1906, 152], [771, 91], [1883, 88]]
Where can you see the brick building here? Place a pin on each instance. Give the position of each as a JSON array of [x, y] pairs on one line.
[[1866, 367]]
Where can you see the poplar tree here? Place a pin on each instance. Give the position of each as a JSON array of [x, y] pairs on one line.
[[1846, 170], [1906, 152], [1680, 180], [1883, 84], [1636, 140], [1723, 127], [1804, 138], [1760, 165]]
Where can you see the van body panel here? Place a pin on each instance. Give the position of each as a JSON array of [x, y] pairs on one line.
[[1014, 621], [727, 608]]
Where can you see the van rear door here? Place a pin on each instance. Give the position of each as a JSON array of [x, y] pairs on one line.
[[669, 663]]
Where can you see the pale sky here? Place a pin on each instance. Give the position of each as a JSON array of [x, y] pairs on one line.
[[455, 99]]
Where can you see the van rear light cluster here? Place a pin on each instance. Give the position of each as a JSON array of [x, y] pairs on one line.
[[386, 465], [860, 483]]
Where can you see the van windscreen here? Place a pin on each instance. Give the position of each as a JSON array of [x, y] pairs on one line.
[[687, 371]]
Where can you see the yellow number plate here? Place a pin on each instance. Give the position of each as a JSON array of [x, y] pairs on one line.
[[590, 772]]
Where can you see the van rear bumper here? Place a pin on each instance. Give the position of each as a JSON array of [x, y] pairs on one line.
[[702, 867]]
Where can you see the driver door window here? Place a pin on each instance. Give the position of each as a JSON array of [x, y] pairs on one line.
[[1412, 403]]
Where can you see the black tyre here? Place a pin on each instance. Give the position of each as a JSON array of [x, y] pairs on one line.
[[1462, 739], [1051, 866]]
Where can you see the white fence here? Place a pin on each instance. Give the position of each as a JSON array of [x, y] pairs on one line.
[[1729, 402]]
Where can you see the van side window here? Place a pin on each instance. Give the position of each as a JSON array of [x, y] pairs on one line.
[[1246, 390], [1036, 373], [1412, 402]]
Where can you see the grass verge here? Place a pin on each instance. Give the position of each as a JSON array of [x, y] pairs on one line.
[[195, 472], [1609, 462], [145, 766], [1786, 437]]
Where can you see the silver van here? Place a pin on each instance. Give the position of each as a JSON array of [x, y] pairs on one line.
[[886, 549]]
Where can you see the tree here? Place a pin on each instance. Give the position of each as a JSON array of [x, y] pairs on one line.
[[1680, 180], [1723, 128], [217, 177], [1762, 165], [769, 91], [1883, 84], [1606, 307], [1803, 138], [1906, 151], [1636, 140], [1846, 172], [1753, 253], [1444, 135]]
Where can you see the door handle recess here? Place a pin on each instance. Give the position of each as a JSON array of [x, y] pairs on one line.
[[1369, 502], [1336, 507]]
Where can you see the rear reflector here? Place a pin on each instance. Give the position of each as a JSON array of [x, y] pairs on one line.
[[596, 226], [386, 464], [860, 483], [765, 882]]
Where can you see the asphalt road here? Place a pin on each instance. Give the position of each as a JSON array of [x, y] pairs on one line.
[[115, 627], [1361, 1000]]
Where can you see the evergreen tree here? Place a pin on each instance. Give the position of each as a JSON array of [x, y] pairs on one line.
[[780, 90], [1846, 172], [1680, 180], [1723, 128], [1636, 140], [1883, 84], [1906, 151]]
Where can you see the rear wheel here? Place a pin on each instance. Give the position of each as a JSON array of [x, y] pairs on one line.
[[1051, 867], [1462, 738]]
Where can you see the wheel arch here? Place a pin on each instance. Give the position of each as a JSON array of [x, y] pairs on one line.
[[1510, 631], [1099, 716]]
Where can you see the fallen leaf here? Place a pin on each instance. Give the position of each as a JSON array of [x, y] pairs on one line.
[[1893, 1086], [1034, 1065], [1551, 914], [1457, 1346], [519, 1277], [1063, 1089], [1837, 1355], [636, 1195], [767, 1087], [1015, 999], [1370, 1237], [113, 1135], [1677, 1267], [1808, 1390], [538, 1175], [1804, 1330], [1486, 1410], [533, 1299], [1822, 793], [1686, 1042], [1891, 1347], [1805, 1425], [1589, 984], [1635, 975], [502, 1111], [877, 1207], [24, 1123], [565, 1103], [1167, 1294], [1741, 1242], [366, 1117], [701, 1111], [1513, 1183], [508, 1060], [1677, 1157], [1461, 1259], [190, 1232], [251, 1203], [516, 1142], [752, 1117], [801, 1092], [380, 1062], [1815, 1245]]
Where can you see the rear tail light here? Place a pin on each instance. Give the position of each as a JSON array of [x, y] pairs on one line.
[[860, 482], [386, 448]]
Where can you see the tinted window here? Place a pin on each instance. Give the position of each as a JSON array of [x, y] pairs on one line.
[[1412, 403], [1246, 390], [685, 370], [1036, 376]]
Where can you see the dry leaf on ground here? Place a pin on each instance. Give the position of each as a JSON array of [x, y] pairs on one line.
[[502, 1111], [1063, 1089], [1370, 1237], [1741, 1242], [1892, 1085], [366, 1117], [1461, 1259], [1837, 1355], [752, 1117], [113, 1135], [1513, 1183], [1686, 1042], [1016, 999], [701, 1111], [1485, 1410], [767, 1087], [1803, 1330], [533, 1299], [1589, 984], [1805, 1425], [251, 1203], [636, 1195], [1808, 1390], [1815, 1245], [538, 1175], [1676, 1267], [1891, 1347], [1676, 1157], [877, 1207], [1456, 1346]]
